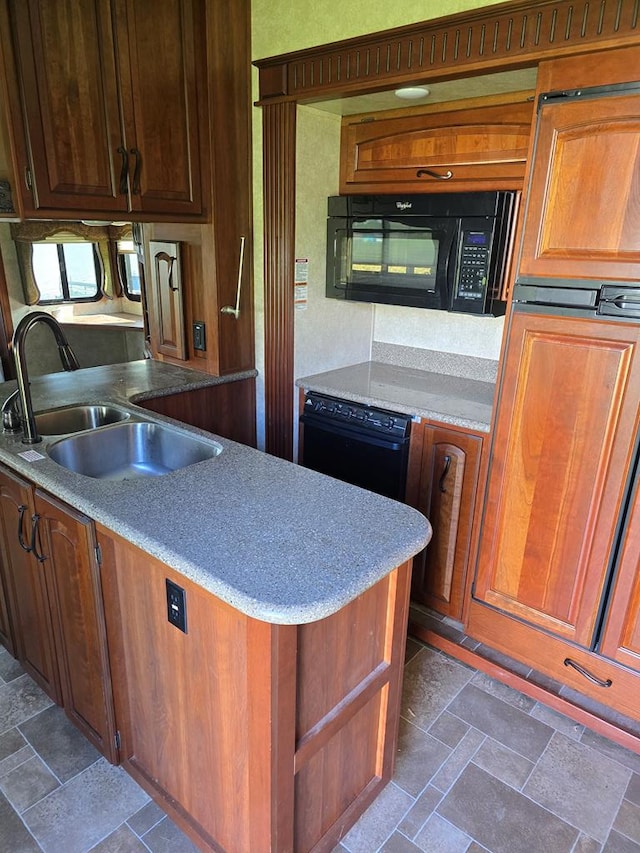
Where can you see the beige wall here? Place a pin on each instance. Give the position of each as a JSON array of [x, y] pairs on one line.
[[281, 26]]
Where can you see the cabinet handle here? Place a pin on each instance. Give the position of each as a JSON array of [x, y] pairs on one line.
[[446, 177], [229, 309], [445, 471], [21, 511], [163, 256], [34, 532], [136, 171], [588, 675], [124, 170]]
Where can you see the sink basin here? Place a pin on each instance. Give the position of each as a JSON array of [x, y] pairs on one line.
[[134, 449], [77, 418]]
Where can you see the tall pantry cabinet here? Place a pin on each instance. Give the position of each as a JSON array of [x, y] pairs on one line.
[[549, 590]]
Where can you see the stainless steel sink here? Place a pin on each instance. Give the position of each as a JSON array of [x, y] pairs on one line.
[[77, 418], [133, 449]]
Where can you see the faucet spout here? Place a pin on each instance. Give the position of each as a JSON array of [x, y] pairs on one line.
[[11, 418]]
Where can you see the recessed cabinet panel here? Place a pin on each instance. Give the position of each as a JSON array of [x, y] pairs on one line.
[[556, 485], [167, 315], [68, 76], [481, 148], [583, 213], [446, 494]]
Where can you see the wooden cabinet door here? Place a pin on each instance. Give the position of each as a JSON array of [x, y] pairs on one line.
[[621, 634], [448, 484], [583, 212], [561, 451], [161, 65], [6, 624], [26, 586], [67, 548], [66, 64], [483, 148], [165, 302]]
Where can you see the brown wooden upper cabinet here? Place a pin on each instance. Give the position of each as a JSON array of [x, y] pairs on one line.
[[114, 105], [483, 148], [582, 218]]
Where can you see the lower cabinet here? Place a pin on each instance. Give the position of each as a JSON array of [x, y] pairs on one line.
[[25, 583], [253, 736], [443, 481], [50, 574]]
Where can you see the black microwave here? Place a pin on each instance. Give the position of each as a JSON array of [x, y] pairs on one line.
[[449, 251]]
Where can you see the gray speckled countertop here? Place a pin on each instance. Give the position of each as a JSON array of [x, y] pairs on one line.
[[276, 541], [423, 393]]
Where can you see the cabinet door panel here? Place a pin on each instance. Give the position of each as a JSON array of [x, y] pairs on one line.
[[29, 600], [160, 53], [68, 545], [621, 637], [583, 213], [561, 448], [446, 494], [6, 629], [68, 75]]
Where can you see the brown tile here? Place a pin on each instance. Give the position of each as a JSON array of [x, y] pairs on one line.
[[419, 757], [502, 660], [412, 648], [379, 821], [579, 784], [627, 821], [503, 763], [617, 843], [431, 680], [501, 819], [584, 844], [440, 836], [501, 721], [417, 815], [14, 837]]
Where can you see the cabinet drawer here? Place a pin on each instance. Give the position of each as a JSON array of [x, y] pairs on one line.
[[548, 654]]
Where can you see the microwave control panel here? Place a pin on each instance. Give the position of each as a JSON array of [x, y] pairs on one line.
[[472, 270]]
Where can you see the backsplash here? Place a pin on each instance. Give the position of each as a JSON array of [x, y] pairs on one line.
[[433, 361]]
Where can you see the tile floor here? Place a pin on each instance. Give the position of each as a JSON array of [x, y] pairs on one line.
[[481, 769]]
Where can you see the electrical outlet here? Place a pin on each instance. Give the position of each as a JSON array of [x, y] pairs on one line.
[[199, 338], [176, 605]]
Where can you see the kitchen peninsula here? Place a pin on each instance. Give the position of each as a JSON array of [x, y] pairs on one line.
[[271, 722]]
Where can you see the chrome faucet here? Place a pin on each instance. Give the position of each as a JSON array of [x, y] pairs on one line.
[[12, 418]]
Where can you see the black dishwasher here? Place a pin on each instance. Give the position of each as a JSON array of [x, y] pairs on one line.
[[363, 445]]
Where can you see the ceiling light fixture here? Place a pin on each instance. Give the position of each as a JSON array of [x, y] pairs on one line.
[[412, 93]]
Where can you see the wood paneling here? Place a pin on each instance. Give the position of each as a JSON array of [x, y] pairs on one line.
[[508, 35], [560, 455], [227, 409], [208, 719], [279, 140]]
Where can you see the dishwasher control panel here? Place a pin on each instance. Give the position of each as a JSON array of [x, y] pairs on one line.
[[365, 417]]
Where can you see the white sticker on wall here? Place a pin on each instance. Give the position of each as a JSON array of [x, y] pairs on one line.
[[301, 284]]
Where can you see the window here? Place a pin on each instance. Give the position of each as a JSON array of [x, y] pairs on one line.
[[67, 272], [129, 269]]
